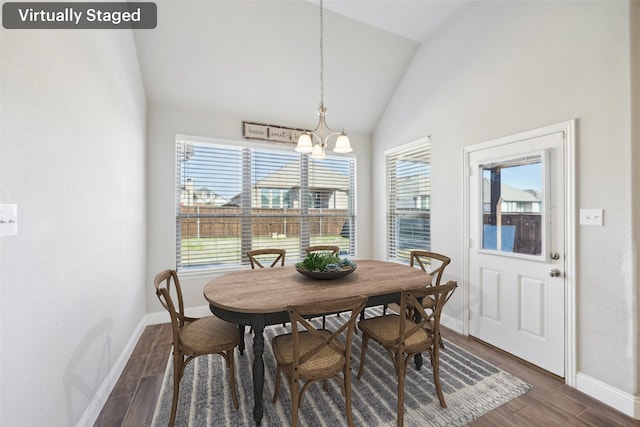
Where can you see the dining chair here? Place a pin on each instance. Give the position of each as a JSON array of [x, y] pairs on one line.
[[193, 337], [335, 250], [265, 255], [433, 264], [308, 354], [259, 256], [404, 336]]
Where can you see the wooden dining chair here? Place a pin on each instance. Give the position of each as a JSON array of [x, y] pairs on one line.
[[308, 354], [193, 337], [433, 264], [259, 256], [335, 250], [405, 336]]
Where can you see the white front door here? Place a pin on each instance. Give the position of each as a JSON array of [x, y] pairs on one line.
[[517, 251]]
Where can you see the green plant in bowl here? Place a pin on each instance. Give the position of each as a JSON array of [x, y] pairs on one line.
[[325, 262]]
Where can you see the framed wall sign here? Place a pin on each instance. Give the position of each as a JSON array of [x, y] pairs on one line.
[[274, 133]]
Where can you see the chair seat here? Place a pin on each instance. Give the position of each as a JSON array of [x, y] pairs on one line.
[[384, 329], [319, 365], [209, 335]]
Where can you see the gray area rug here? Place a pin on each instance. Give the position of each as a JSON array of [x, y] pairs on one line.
[[472, 387]]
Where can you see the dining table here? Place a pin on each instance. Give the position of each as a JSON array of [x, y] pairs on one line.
[[260, 297]]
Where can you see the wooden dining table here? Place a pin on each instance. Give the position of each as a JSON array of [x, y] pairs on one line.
[[260, 297]]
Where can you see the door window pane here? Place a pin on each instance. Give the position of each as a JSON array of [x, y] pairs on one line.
[[512, 206]]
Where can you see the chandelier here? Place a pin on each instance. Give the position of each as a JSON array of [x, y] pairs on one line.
[[315, 141]]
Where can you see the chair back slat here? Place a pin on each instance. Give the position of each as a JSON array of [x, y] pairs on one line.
[[335, 250], [411, 302], [163, 283], [258, 255], [299, 322], [167, 283], [424, 259]]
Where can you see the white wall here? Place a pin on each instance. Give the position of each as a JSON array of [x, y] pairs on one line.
[[164, 123], [634, 50], [508, 67], [72, 159]]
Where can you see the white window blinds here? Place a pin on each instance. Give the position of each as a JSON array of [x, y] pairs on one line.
[[408, 173], [231, 199]]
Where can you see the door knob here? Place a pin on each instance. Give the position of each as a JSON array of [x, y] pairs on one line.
[[554, 272]]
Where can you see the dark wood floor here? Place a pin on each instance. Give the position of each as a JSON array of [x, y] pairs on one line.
[[550, 403]]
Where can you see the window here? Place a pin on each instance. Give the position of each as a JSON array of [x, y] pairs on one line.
[[512, 205], [232, 199], [408, 200]]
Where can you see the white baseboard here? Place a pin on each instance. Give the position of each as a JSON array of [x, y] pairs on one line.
[[94, 407], [451, 322], [611, 396]]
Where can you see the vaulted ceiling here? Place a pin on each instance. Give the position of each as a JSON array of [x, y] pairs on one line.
[[261, 59]]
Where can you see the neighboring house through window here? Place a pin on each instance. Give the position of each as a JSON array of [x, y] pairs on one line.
[[231, 199]]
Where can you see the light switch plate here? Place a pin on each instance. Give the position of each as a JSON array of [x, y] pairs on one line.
[[591, 217], [8, 220]]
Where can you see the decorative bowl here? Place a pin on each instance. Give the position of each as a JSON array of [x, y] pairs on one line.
[[326, 275]]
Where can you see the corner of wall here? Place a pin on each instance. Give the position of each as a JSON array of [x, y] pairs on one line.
[[634, 52], [96, 404]]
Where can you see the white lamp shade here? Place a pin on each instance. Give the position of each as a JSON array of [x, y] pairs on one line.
[[342, 144], [318, 152], [304, 144]]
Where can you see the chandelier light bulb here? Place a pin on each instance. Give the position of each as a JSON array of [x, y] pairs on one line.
[[318, 152], [342, 144], [304, 144]]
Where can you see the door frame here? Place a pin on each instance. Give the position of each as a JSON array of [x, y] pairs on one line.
[[568, 128]]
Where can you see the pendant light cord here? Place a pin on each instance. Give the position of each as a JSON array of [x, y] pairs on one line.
[[322, 132], [321, 55]]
